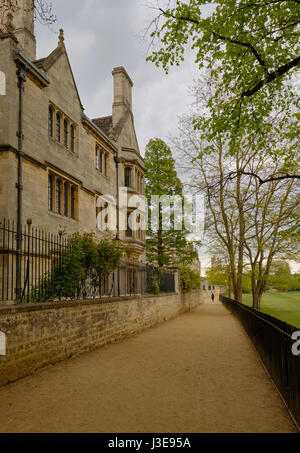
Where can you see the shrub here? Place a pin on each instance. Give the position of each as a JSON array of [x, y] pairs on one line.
[[190, 279], [86, 261], [155, 287]]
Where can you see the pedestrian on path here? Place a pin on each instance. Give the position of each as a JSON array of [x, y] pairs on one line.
[[212, 297]]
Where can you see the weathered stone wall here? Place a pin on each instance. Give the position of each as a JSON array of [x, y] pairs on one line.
[[43, 334], [44, 154]]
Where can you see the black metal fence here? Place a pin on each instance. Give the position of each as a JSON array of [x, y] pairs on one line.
[[41, 261], [273, 341]]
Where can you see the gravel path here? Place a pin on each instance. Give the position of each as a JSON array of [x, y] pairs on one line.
[[196, 373]]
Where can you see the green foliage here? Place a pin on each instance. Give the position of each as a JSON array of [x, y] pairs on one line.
[[251, 62], [246, 283], [166, 245], [281, 278], [218, 275], [190, 279], [85, 261], [155, 287]]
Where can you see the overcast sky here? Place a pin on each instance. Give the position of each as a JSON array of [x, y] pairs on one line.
[[103, 34]]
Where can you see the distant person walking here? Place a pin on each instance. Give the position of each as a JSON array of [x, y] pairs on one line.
[[212, 297]]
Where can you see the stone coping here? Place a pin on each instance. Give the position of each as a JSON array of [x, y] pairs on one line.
[[43, 306]]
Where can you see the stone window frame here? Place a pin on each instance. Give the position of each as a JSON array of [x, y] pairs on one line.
[[58, 206], [50, 121], [71, 143], [131, 174], [102, 158], [97, 157], [50, 192], [140, 233], [73, 138], [129, 233], [137, 233], [102, 214], [137, 178], [139, 181], [58, 119], [66, 133]]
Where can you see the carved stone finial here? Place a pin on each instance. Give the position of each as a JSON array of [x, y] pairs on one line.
[[61, 37]]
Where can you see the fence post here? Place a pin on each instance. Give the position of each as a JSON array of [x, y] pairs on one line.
[[177, 282], [27, 278], [21, 73]]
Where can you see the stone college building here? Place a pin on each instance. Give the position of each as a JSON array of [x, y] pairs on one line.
[[59, 160]]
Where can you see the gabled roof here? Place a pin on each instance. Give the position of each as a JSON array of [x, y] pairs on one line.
[[99, 131], [104, 123], [33, 71], [47, 62]]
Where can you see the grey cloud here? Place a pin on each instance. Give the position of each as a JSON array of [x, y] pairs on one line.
[[102, 34]]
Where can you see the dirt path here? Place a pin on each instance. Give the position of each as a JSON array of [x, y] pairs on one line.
[[197, 373]]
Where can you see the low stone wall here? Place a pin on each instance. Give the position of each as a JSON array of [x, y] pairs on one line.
[[42, 334]]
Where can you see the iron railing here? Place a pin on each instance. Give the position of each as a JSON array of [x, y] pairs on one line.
[[273, 341], [42, 253]]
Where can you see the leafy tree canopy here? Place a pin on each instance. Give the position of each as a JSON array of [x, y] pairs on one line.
[[251, 48]]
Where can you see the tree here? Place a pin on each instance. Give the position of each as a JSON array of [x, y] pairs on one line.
[[166, 245], [252, 50], [255, 43], [218, 275], [251, 223], [280, 276]]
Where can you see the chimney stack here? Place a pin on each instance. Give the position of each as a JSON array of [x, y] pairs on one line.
[[23, 23], [122, 94]]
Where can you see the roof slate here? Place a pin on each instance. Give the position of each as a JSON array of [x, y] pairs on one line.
[[104, 123]]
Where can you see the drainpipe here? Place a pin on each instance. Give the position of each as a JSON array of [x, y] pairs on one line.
[[117, 162], [21, 74]]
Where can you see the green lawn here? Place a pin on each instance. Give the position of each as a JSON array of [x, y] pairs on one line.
[[283, 306]]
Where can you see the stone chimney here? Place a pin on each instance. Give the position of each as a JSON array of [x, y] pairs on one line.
[[122, 94], [23, 23]]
